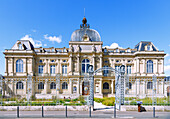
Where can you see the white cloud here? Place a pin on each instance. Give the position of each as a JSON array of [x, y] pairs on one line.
[[113, 45], [167, 70], [45, 44], [53, 38], [167, 55], [35, 43]]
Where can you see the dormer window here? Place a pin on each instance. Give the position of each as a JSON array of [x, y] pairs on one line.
[[20, 46], [117, 50], [64, 50], [128, 50], [105, 50], [149, 48], [53, 50]]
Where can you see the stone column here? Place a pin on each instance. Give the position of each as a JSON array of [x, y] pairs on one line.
[[94, 62], [162, 65], [144, 66], [71, 86], [6, 61], [78, 86], [58, 66], [46, 66], [25, 86], [138, 86], [71, 64], [13, 66], [101, 62], [101, 86], [144, 87], [156, 67], [112, 87], [46, 86], [137, 65], [26, 66], [78, 63]]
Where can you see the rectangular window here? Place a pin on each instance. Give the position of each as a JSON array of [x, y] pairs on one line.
[[83, 68], [128, 69], [40, 69], [64, 69], [52, 69], [105, 72], [117, 68]]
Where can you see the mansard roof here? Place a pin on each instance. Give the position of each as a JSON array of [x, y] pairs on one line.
[[141, 46], [27, 45]]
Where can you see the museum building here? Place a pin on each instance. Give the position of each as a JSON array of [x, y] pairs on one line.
[[85, 48]]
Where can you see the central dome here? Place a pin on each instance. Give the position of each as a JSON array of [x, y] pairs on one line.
[[85, 30]]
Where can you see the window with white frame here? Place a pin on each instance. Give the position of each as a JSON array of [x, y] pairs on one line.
[[20, 46], [148, 47], [41, 85], [19, 85], [40, 69], [19, 65], [117, 68], [52, 85], [52, 69], [64, 69], [128, 69], [149, 85], [64, 85], [85, 65], [149, 66]]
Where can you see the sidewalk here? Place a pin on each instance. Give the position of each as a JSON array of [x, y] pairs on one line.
[[100, 106]]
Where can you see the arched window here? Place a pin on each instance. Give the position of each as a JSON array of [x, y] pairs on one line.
[[52, 85], [19, 65], [130, 85], [149, 85], [40, 85], [64, 85], [19, 85], [105, 85], [149, 66], [74, 89], [85, 65]]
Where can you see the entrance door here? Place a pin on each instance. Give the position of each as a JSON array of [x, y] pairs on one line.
[[85, 88]]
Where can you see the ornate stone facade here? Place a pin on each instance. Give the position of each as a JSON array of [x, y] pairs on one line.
[[85, 48]]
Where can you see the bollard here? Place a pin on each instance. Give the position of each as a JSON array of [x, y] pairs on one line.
[[89, 111], [66, 110], [42, 111], [153, 112], [115, 111], [17, 111]]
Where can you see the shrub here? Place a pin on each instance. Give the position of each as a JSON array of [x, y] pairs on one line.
[[133, 103], [33, 98]]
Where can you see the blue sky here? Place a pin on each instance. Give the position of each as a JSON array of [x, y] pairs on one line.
[[50, 23]]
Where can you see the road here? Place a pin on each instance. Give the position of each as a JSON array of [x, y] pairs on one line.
[[83, 114]]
